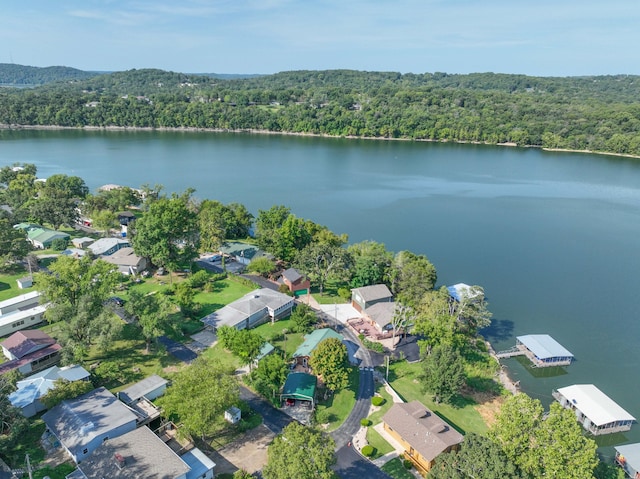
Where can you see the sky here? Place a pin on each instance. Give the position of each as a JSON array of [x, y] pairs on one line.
[[533, 37]]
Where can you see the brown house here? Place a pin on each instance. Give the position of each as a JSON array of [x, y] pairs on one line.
[[423, 435], [295, 281]]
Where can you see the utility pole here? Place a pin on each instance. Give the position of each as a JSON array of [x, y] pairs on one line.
[[29, 467]]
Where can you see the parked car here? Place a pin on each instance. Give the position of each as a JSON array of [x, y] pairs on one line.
[[215, 258], [115, 300]]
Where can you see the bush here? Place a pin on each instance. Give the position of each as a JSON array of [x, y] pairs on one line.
[[199, 279], [365, 422], [377, 347], [59, 244], [368, 450], [407, 464], [344, 293], [377, 400]]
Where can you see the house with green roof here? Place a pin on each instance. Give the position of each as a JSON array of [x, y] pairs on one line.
[[311, 342], [300, 387], [39, 236]]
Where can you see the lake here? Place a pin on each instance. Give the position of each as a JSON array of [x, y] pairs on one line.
[[552, 237]]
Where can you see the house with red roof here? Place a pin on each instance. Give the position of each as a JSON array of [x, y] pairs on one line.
[[29, 351]]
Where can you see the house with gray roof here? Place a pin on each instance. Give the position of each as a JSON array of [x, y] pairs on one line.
[[82, 424], [107, 246], [251, 310], [127, 261], [628, 458], [151, 387], [366, 296], [295, 281]]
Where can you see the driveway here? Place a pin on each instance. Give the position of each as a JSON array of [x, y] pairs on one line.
[[274, 419], [177, 350]]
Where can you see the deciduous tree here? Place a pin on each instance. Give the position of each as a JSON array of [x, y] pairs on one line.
[[303, 319], [329, 360], [153, 313], [64, 389], [300, 452], [13, 244], [411, 276], [322, 262]]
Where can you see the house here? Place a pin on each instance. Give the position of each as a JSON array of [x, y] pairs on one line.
[[30, 390], [141, 454], [367, 296], [422, 434], [24, 283], [127, 261], [82, 424], [380, 315], [150, 388], [628, 458], [39, 236], [29, 351], [21, 312], [251, 310], [125, 218], [107, 246], [295, 281], [311, 341], [82, 243], [594, 410], [243, 253], [300, 387], [74, 252]]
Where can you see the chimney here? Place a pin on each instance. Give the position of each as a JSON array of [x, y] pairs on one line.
[[120, 462]]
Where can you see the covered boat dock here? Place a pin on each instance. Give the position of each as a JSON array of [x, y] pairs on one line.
[[541, 349]]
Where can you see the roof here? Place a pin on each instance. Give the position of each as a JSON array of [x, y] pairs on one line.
[[76, 422], [381, 313], [40, 353], [74, 252], [544, 346], [593, 403], [37, 385], [126, 214], [33, 295], [124, 256], [631, 453], [292, 275], [239, 310], [265, 350], [458, 290], [426, 432], [198, 462], [22, 343], [236, 248], [21, 314], [300, 386], [312, 340], [373, 292], [141, 388], [43, 235], [83, 240], [144, 454], [103, 245]]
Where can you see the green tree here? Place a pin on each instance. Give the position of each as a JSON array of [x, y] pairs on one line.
[[269, 376], [478, 458], [63, 389], [212, 224], [242, 474], [443, 373], [323, 262], [12, 422], [300, 452], [244, 343], [185, 298], [411, 276], [371, 263], [168, 232], [13, 244], [329, 360], [303, 318], [198, 397], [56, 211], [268, 225], [263, 266], [153, 313]]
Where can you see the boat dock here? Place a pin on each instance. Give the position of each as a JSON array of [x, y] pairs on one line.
[[541, 349]]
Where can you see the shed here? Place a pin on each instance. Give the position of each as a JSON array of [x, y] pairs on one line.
[[300, 387], [543, 350], [25, 282], [265, 350], [594, 410], [201, 466], [83, 242], [233, 415], [628, 458], [150, 388]]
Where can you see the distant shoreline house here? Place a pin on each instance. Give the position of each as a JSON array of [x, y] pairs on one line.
[[422, 434], [253, 309], [39, 236], [595, 411]]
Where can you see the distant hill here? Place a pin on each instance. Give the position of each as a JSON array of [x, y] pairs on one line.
[[22, 75]]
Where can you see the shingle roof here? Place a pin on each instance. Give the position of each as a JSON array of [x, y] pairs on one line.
[[312, 340], [381, 313], [292, 275], [596, 405], [144, 454], [25, 342], [373, 292], [424, 431]]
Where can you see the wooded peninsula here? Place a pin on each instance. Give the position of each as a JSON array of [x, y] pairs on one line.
[[592, 113]]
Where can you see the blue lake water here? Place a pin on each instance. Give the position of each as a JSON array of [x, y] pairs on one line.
[[552, 237]]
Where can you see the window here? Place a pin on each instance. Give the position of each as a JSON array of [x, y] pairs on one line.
[[85, 451]]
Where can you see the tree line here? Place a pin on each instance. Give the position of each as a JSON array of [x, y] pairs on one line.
[[599, 113]]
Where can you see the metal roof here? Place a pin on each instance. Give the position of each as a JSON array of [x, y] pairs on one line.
[[631, 453], [458, 290], [313, 339], [373, 292], [300, 386], [593, 403], [37, 385], [141, 388], [544, 346]]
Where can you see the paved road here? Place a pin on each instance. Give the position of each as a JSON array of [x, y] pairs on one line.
[[351, 465], [177, 349]]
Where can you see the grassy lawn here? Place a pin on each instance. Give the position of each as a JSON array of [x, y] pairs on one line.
[[218, 354], [9, 287], [337, 407], [29, 444], [222, 293], [463, 415], [59, 472], [273, 333], [396, 469], [376, 416], [381, 446]]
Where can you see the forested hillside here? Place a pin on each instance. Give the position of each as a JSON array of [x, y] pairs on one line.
[[21, 75], [582, 113]]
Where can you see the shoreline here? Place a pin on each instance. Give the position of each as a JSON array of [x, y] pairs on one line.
[[5, 126]]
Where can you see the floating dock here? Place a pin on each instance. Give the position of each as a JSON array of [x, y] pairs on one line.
[[541, 349]]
